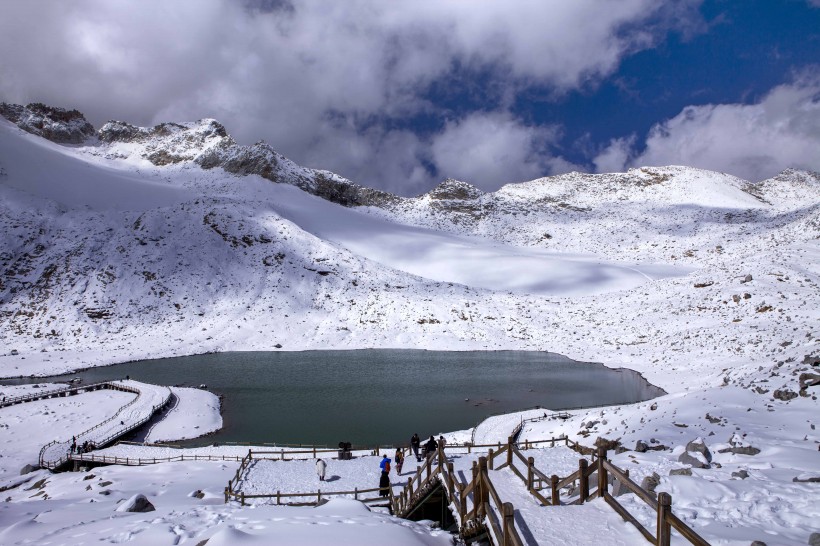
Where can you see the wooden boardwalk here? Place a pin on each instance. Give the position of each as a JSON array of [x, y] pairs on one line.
[[148, 400]]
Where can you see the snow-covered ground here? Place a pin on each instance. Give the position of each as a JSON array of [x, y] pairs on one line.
[[706, 284]]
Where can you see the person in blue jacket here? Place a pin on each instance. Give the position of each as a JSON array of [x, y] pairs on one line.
[[385, 465]]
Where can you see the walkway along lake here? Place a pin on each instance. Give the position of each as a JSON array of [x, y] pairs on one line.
[[377, 396]]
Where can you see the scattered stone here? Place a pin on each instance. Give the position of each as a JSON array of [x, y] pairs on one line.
[[695, 460], [649, 483], [704, 284], [137, 503], [806, 478], [809, 380], [105, 483], [278, 345], [641, 447], [747, 278], [739, 446], [736, 298], [713, 420], [742, 474], [784, 394], [607, 444], [653, 407], [680, 472], [28, 468], [758, 543], [89, 477], [681, 425], [198, 494], [814, 539], [747, 296], [697, 454]]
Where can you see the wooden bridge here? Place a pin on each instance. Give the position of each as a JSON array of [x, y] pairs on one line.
[[70, 390], [149, 399], [472, 505]]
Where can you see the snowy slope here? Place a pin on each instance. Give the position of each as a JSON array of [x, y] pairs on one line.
[[175, 240]]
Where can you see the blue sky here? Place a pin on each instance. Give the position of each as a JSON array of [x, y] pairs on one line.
[[402, 95]]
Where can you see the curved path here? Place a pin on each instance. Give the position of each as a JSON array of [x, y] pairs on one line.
[[149, 399]]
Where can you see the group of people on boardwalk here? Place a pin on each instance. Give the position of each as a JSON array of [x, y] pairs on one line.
[[386, 464], [85, 447], [429, 447], [429, 450]]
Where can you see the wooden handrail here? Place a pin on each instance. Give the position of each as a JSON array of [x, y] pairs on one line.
[[632, 486]]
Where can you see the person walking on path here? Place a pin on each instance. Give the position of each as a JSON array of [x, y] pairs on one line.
[[399, 457], [415, 442], [384, 485], [430, 447], [321, 467], [385, 465]]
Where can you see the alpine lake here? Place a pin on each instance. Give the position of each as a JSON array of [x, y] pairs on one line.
[[374, 396]]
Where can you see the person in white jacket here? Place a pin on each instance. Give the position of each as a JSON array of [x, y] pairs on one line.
[[321, 467]]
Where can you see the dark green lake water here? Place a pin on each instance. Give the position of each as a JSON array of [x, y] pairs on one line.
[[377, 396]]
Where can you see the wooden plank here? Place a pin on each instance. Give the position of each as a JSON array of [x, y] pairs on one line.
[[628, 517], [568, 480]]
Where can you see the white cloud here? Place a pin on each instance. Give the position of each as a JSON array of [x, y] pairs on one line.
[[615, 157], [288, 75], [490, 149], [752, 141]]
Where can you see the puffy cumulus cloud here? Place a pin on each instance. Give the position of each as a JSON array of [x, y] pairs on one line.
[[490, 149], [288, 72], [752, 141]]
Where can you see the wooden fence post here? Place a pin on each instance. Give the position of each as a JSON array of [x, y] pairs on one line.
[[450, 481], [509, 451], [490, 459], [509, 522], [243, 498], [556, 499], [530, 474], [664, 529], [483, 492], [583, 482], [410, 487], [602, 481]]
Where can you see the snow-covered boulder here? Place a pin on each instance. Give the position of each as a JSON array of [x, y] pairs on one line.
[[696, 454], [137, 503]]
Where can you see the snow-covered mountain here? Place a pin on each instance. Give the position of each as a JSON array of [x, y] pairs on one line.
[[137, 242]]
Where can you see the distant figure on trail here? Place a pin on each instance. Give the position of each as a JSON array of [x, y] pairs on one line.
[[385, 465], [384, 485], [73, 445], [441, 441], [399, 457], [321, 467], [430, 447], [415, 442]]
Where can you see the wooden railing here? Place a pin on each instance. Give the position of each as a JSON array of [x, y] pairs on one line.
[[142, 461], [44, 394], [665, 520], [231, 491], [488, 511], [52, 464]]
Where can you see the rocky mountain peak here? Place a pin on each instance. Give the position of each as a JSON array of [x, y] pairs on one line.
[[54, 124], [452, 189]]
